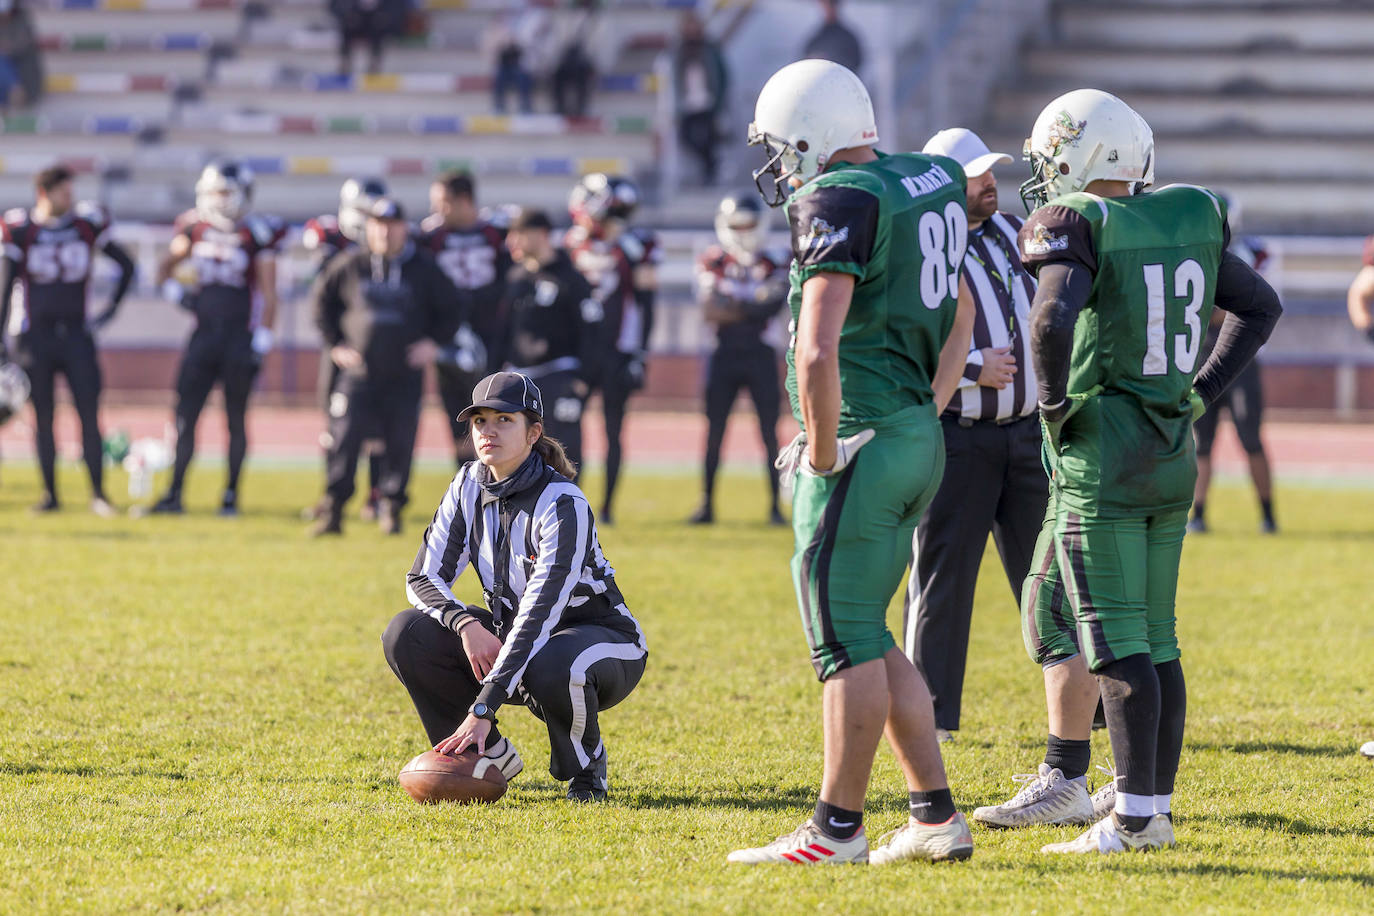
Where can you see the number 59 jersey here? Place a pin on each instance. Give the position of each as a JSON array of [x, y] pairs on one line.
[[898, 225], [53, 262], [1138, 342]]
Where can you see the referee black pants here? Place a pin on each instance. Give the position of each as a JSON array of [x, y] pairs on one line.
[[994, 483], [43, 352], [580, 671]]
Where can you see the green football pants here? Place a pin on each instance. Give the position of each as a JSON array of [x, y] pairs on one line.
[[1106, 585], [853, 538]]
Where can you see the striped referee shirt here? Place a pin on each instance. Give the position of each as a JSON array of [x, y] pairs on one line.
[[1003, 291], [554, 575]]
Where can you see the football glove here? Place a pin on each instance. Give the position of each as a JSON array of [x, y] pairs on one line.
[[793, 459], [467, 352], [1054, 416], [632, 375], [1197, 404], [262, 341]]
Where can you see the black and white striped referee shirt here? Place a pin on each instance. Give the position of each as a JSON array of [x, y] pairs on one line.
[[1003, 291], [555, 575]]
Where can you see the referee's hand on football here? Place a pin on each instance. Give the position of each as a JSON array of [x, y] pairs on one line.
[[481, 647], [472, 733], [999, 366]]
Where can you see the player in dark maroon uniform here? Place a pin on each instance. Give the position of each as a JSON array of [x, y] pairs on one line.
[[472, 253], [620, 262], [48, 255], [325, 236], [741, 287], [233, 254]]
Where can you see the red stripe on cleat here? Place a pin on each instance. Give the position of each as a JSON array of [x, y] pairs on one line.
[[821, 849], [791, 858], [808, 856]]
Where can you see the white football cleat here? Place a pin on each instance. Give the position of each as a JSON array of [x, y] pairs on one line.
[[1106, 836], [1104, 799], [1368, 749], [506, 758], [1046, 798], [807, 845], [917, 841]]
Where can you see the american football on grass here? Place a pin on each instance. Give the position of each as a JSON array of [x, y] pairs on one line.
[[464, 778]]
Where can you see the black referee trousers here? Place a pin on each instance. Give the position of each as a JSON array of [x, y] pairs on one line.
[[580, 671], [994, 483]]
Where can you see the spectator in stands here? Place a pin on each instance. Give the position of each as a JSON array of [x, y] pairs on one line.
[[21, 67], [572, 75], [370, 21], [700, 80], [834, 40], [516, 43]]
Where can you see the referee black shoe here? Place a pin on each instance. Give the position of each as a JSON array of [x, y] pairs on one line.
[[590, 785], [229, 505]]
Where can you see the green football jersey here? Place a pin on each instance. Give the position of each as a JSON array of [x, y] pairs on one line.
[[1127, 450], [898, 225]]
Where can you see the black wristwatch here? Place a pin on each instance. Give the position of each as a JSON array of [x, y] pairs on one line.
[[483, 711]]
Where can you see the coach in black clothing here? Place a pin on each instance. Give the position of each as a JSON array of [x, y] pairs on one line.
[[382, 310], [552, 326], [994, 480]]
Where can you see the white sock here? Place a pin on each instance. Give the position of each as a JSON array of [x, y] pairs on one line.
[[497, 749], [1162, 803], [1135, 805], [1081, 780]]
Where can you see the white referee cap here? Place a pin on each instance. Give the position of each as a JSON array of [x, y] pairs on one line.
[[966, 148]]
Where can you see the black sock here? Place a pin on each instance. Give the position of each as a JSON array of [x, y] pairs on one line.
[[931, 807], [1071, 757], [1130, 693], [1173, 709], [1199, 509], [835, 821], [1267, 507]]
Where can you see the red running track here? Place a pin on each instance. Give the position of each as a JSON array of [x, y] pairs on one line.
[[660, 438]]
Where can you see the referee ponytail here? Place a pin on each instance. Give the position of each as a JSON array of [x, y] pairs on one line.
[[550, 450]]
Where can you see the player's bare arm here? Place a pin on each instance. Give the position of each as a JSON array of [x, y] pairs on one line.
[[265, 275], [1360, 300], [954, 353], [1252, 309], [178, 251], [825, 303]]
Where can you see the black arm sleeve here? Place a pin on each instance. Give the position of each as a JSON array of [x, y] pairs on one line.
[[1253, 309], [328, 306], [116, 252], [1063, 291], [644, 298], [11, 276]]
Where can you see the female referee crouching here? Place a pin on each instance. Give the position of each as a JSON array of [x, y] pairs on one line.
[[555, 633]]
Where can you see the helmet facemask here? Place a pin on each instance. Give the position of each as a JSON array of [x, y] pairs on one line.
[[784, 163], [1035, 191]]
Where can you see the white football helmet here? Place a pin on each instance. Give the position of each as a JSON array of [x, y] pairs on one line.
[[356, 198], [224, 191], [806, 112], [741, 226], [1084, 136]]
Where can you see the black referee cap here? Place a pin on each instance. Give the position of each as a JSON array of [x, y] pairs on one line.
[[387, 208], [508, 392]]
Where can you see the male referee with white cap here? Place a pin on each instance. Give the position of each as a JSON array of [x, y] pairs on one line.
[[994, 481]]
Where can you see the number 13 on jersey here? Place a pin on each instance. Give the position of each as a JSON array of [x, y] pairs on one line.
[[1188, 287]]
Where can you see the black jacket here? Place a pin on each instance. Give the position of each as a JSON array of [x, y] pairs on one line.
[[380, 306], [552, 318]]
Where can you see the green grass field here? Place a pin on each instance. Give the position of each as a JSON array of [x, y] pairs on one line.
[[197, 717]]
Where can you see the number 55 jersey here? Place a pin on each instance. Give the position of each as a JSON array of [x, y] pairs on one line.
[[223, 256], [1127, 448]]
